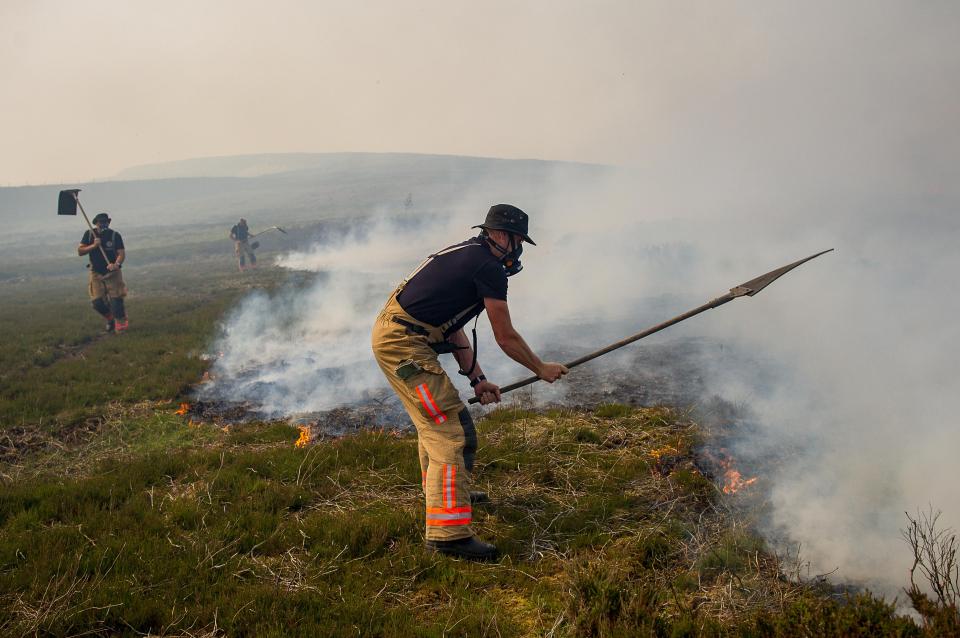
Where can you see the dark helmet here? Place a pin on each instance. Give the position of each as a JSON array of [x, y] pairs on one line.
[[102, 217], [508, 218]]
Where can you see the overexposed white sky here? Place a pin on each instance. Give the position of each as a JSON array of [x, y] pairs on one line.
[[90, 88]]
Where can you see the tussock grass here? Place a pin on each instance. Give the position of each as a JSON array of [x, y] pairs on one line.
[[201, 530], [612, 410]]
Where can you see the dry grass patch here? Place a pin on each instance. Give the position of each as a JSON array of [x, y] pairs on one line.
[[606, 525]]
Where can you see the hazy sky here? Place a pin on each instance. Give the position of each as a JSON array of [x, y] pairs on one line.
[[90, 88]]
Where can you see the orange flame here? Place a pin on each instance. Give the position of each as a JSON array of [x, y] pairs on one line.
[[736, 482], [664, 451], [304, 436], [184, 408]]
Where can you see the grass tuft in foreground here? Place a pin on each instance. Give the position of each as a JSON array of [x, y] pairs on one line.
[[237, 532]]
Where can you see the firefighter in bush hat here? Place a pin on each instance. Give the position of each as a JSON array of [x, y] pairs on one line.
[[106, 287], [423, 318]]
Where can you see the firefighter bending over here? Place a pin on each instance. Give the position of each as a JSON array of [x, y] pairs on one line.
[[106, 287], [240, 235], [424, 317]]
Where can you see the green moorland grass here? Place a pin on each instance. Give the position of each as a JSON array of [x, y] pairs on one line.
[[58, 369], [168, 527], [118, 517]]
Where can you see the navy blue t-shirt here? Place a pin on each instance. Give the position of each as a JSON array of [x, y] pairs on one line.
[[111, 241], [455, 279], [240, 233]]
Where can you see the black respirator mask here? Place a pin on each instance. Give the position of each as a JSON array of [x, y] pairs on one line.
[[511, 258]]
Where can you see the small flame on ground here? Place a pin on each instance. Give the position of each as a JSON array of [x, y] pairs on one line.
[[734, 481], [304, 436], [184, 408], [664, 451]]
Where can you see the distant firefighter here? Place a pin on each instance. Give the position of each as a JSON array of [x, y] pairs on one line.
[[106, 287], [240, 234]]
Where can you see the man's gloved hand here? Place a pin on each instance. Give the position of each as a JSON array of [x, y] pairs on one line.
[[112, 267], [487, 392], [550, 372]]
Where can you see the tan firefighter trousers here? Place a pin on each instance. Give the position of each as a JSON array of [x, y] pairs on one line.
[[446, 437], [243, 249], [109, 286]]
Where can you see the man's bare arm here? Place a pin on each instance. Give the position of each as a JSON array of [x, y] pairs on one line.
[[514, 345], [121, 255], [487, 391], [84, 249], [464, 355]]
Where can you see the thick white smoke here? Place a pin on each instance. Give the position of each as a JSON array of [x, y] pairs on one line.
[[855, 349], [833, 128]]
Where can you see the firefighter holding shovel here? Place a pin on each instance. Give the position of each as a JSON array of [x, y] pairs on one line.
[[104, 247], [423, 318]]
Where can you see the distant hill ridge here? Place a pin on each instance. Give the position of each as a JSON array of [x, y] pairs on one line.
[[262, 164], [292, 187]]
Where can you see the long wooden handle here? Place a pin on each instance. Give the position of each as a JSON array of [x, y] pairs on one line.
[[748, 289], [719, 301], [90, 226], [93, 234]]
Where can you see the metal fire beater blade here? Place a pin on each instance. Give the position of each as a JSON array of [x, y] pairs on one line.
[[754, 286]]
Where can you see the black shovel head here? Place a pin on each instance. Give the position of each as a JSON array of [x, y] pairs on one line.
[[68, 202]]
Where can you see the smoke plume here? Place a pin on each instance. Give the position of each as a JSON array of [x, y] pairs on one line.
[[819, 129]]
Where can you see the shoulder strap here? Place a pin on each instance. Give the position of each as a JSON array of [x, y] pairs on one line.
[[426, 261]]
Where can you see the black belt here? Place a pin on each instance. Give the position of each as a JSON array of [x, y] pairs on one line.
[[411, 327], [441, 347]]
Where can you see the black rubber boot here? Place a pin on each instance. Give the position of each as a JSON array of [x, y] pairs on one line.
[[479, 497], [470, 548], [118, 309]]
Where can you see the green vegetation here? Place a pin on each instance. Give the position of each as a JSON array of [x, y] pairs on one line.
[[118, 517], [611, 410], [59, 369], [162, 526]]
